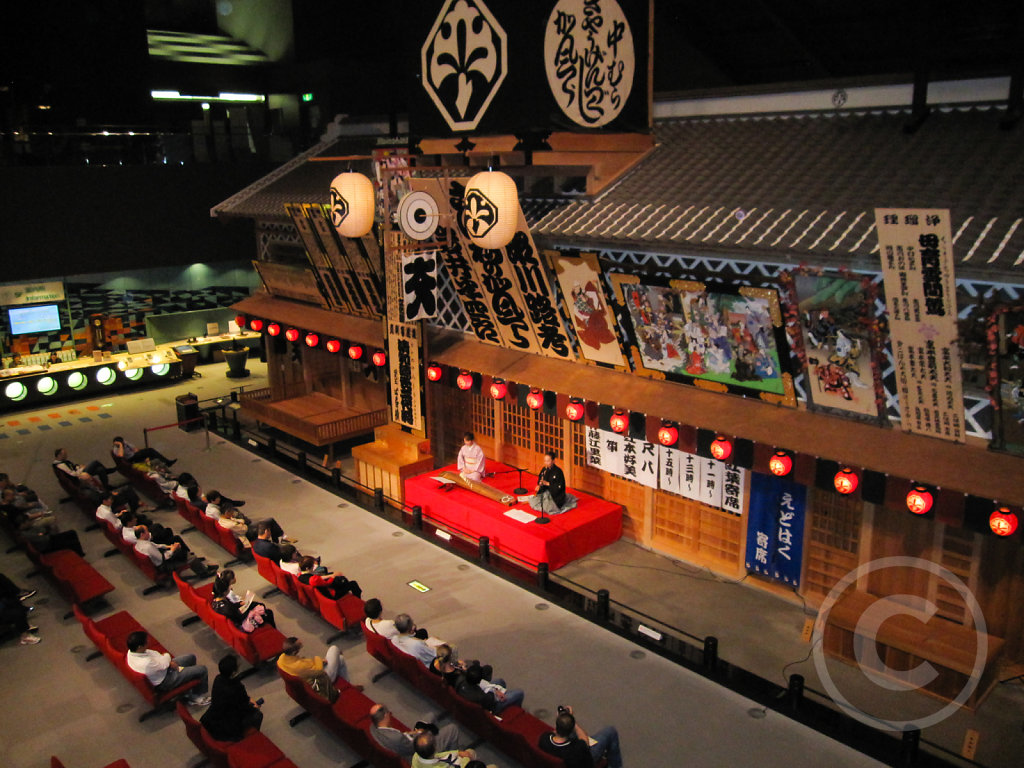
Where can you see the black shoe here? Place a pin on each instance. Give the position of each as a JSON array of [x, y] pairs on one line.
[[32, 629], [240, 503], [27, 593], [171, 462]]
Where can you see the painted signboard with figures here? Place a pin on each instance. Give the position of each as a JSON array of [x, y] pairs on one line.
[[503, 66]]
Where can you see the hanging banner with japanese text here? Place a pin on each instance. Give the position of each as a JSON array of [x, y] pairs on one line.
[[404, 365], [419, 285], [708, 481], [775, 528], [916, 250]]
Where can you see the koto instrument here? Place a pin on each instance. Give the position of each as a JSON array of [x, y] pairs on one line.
[[485, 490]]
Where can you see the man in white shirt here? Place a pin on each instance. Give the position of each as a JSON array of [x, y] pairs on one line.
[[374, 623], [94, 472], [105, 511], [407, 642], [168, 556], [165, 673], [471, 460]]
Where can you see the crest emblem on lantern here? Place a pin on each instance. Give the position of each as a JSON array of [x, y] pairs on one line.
[[339, 208], [464, 62], [479, 214]]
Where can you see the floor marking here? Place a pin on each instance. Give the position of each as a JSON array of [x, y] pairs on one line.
[[64, 423], [92, 407], [84, 418], [54, 415], [105, 415], [34, 419], [24, 431], [44, 427], [13, 423]]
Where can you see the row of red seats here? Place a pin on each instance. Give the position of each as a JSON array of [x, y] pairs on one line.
[[515, 732], [72, 486], [254, 751], [110, 636], [348, 718], [256, 647], [143, 483], [72, 576], [197, 519], [346, 613]]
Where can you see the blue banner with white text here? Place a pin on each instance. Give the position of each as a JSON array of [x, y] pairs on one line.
[[775, 528]]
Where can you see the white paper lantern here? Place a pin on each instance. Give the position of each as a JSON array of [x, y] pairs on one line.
[[490, 211], [352, 204]]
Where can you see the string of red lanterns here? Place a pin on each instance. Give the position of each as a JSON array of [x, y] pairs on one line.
[[846, 481], [499, 389], [619, 422]]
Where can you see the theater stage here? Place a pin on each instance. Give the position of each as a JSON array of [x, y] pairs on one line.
[[593, 524]]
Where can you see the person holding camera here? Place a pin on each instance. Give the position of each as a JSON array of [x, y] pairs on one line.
[[575, 748], [402, 743], [232, 713]]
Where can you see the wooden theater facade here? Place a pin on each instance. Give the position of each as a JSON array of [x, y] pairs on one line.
[[789, 347]]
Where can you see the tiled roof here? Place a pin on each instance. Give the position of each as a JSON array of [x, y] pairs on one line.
[[804, 188]]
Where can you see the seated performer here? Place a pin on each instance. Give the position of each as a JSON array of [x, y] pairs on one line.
[[471, 458], [549, 495]]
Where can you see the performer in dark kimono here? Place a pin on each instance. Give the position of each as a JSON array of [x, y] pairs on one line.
[[549, 495]]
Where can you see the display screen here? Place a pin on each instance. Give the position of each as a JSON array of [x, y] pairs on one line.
[[37, 319]]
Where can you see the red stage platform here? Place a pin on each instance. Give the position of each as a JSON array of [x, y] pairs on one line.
[[593, 524]]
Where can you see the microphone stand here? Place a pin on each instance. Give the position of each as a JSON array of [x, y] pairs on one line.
[[543, 519], [520, 489]]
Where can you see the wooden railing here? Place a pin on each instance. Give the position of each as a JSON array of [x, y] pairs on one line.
[[258, 403], [353, 425]]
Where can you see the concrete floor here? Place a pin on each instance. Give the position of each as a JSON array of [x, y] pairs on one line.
[[55, 703]]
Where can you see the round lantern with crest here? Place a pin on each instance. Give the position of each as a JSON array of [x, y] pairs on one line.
[[352, 204]]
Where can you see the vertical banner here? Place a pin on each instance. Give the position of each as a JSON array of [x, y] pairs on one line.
[[705, 480], [404, 364], [639, 461], [709, 491], [419, 285], [917, 266], [775, 529], [604, 451]]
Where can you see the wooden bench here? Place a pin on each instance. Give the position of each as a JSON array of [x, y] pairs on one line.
[[904, 641]]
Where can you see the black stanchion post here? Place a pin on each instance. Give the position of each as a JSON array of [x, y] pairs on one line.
[[603, 605], [710, 653], [378, 499], [336, 476], [271, 444], [796, 691], [300, 460], [485, 549], [909, 747], [542, 577], [417, 517], [211, 420], [236, 428]]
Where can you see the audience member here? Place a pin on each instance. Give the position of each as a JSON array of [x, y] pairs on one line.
[[318, 672], [226, 602], [570, 743], [333, 585], [401, 742], [9, 589], [217, 506], [232, 713], [125, 450], [264, 545], [408, 642], [165, 673], [446, 666], [493, 696], [425, 746], [290, 559], [14, 614], [374, 623], [167, 557], [94, 472]]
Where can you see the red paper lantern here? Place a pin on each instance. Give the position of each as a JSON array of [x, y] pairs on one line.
[[379, 358], [240, 321], [721, 448], [333, 346], [256, 324], [1002, 522], [355, 351], [273, 329], [846, 481], [780, 464], [464, 380], [668, 434], [535, 399], [312, 339], [574, 410], [619, 421], [434, 372], [292, 334], [919, 500], [499, 389]]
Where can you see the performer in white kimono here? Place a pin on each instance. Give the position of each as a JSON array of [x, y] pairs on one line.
[[471, 458]]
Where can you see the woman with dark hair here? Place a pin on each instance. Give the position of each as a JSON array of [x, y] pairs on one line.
[[232, 713], [225, 601]]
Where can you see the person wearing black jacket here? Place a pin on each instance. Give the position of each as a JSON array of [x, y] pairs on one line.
[[232, 713]]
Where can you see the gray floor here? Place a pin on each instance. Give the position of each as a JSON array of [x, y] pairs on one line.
[[55, 703]]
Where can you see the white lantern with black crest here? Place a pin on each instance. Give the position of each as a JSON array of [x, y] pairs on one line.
[[490, 210], [352, 204]]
